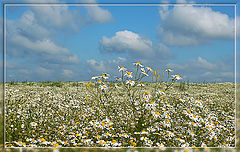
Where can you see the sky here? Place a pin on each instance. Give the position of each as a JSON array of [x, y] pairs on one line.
[[76, 42]]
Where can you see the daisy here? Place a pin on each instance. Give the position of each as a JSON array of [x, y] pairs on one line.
[[144, 132], [99, 81], [180, 99], [185, 145], [170, 134], [143, 138], [181, 140], [149, 69], [141, 85], [147, 94], [94, 77], [128, 74], [177, 77], [103, 87], [33, 124], [160, 145], [138, 64], [105, 76], [169, 70], [107, 135], [160, 92], [203, 145], [121, 69], [130, 82], [167, 124], [191, 133], [156, 114]]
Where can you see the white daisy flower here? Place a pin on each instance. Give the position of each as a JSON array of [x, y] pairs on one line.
[[103, 87], [149, 69], [121, 69], [33, 124], [138, 64], [177, 77], [169, 70], [141, 85], [95, 77], [128, 74], [130, 82]]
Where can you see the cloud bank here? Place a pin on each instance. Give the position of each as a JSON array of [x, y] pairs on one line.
[[188, 25]]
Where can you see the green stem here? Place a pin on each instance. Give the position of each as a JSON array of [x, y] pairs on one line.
[[136, 74]]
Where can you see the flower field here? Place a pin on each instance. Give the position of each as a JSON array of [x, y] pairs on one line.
[[128, 112]]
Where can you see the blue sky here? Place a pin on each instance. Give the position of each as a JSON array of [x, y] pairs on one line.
[[74, 43]]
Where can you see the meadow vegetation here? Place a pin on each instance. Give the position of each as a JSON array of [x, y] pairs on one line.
[[128, 112]]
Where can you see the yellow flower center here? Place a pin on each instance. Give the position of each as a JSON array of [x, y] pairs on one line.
[[42, 139]]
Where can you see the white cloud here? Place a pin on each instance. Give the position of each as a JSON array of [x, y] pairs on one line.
[[126, 40], [98, 14], [27, 26], [26, 37], [43, 71], [203, 63], [109, 66], [202, 69], [67, 73], [71, 59], [97, 66], [57, 17], [199, 63], [23, 71], [39, 46], [135, 46], [188, 25], [227, 74]]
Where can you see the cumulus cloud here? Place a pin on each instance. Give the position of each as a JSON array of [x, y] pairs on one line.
[[59, 17], [26, 37], [27, 26], [126, 41], [43, 71], [109, 66], [201, 64], [97, 13], [201, 69], [189, 25], [67, 73], [135, 46], [39, 46], [97, 66]]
